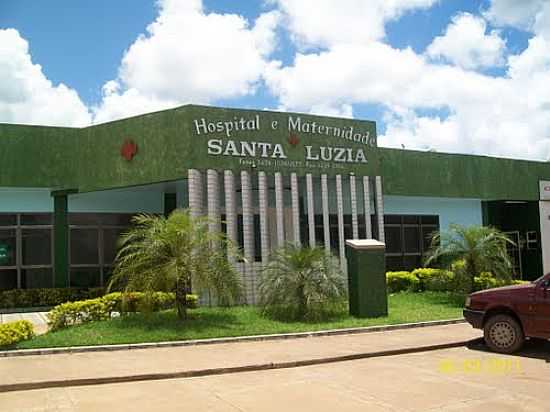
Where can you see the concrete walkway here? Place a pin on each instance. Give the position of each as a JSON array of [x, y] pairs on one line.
[[38, 319], [144, 364]]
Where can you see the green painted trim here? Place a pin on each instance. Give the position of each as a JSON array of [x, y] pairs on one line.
[[61, 241]]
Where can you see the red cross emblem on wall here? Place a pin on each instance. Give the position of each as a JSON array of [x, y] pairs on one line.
[[129, 149]]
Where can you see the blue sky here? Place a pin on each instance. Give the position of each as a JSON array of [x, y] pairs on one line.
[[435, 75]]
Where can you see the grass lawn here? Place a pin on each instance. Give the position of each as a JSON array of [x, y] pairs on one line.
[[239, 321]]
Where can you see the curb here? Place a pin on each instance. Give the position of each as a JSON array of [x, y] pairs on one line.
[[214, 341], [222, 371]]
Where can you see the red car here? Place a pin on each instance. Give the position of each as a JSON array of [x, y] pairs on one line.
[[510, 314]]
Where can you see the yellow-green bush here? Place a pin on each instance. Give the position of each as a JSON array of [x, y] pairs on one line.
[[434, 279], [13, 332], [455, 280], [400, 281], [71, 313], [83, 311]]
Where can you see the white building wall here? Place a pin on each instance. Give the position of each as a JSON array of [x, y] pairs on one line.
[[545, 234], [450, 210]]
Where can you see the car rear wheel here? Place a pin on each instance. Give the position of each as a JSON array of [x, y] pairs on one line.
[[503, 334]]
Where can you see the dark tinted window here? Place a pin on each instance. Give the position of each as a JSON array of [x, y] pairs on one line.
[[36, 278], [36, 219], [7, 247], [85, 277], [36, 246], [84, 246], [8, 219], [8, 279]]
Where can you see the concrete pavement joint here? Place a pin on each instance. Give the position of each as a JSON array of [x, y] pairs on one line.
[[253, 338], [66, 383]]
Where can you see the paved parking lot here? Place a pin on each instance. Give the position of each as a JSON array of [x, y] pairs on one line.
[[461, 379]]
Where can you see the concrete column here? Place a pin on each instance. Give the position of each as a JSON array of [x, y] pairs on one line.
[[61, 240], [353, 198], [310, 210], [195, 192], [340, 207], [326, 221], [295, 207], [366, 198], [213, 201], [262, 198], [279, 205], [230, 214], [380, 209], [248, 234]]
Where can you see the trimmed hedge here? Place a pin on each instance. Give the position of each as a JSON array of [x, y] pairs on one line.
[[13, 332], [400, 281], [28, 298], [440, 280], [72, 313]]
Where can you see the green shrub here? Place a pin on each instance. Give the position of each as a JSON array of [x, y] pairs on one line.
[[400, 281], [137, 301], [487, 280], [26, 298], [13, 332], [71, 313], [433, 279]]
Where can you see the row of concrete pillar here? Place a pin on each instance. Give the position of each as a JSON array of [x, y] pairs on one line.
[[213, 211]]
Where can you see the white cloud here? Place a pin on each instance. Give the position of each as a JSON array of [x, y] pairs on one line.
[[326, 23], [430, 105], [466, 44], [27, 96], [516, 13], [190, 56]]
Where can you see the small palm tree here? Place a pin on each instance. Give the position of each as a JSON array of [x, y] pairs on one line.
[[301, 282], [171, 254], [482, 248]]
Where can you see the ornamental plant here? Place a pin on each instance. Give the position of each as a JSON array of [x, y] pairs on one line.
[[301, 283], [174, 254], [481, 248]]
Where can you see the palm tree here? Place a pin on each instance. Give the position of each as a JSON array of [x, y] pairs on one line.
[[301, 281], [171, 254], [482, 248]]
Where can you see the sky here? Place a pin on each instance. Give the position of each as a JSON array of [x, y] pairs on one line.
[[458, 76]]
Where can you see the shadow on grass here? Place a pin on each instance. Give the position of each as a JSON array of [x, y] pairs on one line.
[[197, 320], [453, 300]]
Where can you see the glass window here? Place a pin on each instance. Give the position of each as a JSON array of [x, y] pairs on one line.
[[8, 219], [394, 243], [392, 219], [8, 279], [36, 246], [411, 236], [110, 243], [36, 278], [84, 246], [84, 219], [7, 247], [116, 219], [430, 220], [85, 277], [394, 263], [36, 219]]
